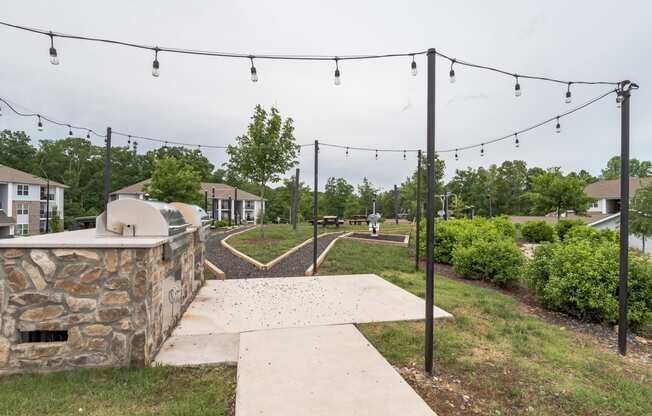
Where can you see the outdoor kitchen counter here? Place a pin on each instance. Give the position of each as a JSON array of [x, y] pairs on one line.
[[86, 239]]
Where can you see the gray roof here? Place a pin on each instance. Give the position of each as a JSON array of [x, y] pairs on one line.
[[8, 174], [220, 190], [611, 189]]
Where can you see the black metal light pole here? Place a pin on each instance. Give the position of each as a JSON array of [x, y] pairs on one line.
[[430, 217], [230, 209], [314, 211], [396, 204], [107, 173], [624, 217], [446, 196], [205, 200], [417, 242], [236, 211], [295, 200], [47, 206], [213, 202]]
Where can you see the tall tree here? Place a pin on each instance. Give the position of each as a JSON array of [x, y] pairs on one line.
[[265, 152], [192, 157], [552, 191], [16, 150], [637, 168], [338, 196], [640, 220], [174, 180], [367, 193]]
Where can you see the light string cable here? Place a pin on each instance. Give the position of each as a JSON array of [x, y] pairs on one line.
[[299, 57], [514, 135]]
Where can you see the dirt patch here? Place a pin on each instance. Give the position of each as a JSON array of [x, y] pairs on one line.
[[380, 237]]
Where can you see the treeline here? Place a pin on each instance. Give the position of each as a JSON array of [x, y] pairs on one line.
[[79, 164]]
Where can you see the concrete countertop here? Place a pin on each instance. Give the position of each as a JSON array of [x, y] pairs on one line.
[[83, 239]]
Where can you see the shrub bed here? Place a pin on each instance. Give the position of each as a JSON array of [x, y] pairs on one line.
[[478, 249], [564, 226], [579, 276], [537, 232]]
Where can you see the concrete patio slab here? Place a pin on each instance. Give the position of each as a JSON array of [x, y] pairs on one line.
[[319, 371], [235, 306], [199, 350]]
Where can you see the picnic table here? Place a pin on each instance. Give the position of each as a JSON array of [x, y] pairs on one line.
[[358, 219], [330, 220]]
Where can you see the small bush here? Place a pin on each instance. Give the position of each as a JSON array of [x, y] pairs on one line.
[[537, 232], [220, 223], [504, 226], [499, 261], [584, 232], [564, 226]]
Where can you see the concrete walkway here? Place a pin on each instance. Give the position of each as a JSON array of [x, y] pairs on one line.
[[296, 349]]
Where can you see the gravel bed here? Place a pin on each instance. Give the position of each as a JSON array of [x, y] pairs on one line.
[[381, 237], [236, 268]]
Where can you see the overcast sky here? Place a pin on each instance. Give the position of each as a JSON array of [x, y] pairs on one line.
[[379, 104]]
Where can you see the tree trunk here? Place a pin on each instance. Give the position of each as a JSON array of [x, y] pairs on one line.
[[262, 211]]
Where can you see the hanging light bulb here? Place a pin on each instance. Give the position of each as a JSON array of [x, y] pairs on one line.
[[413, 66], [456, 156], [451, 74], [155, 65], [404, 155], [128, 141], [135, 146], [482, 150], [347, 151], [337, 72], [619, 98], [69, 131], [516, 142], [39, 124], [558, 126], [517, 87], [568, 95], [54, 58], [376, 154], [88, 134], [254, 74]]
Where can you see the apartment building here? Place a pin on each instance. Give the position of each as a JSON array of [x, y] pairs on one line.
[[24, 201]]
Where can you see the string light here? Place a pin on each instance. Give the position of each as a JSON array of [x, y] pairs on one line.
[[568, 94], [451, 74], [254, 73], [155, 65], [88, 134], [456, 156], [54, 58], [347, 151], [413, 66], [558, 126], [337, 72], [482, 150], [516, 142], [69, 131], [404, 155], [517, 87], [129, 141], [376, 154], [39, 125]]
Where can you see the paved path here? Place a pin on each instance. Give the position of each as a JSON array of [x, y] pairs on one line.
[[236, 268], [297, 353], [319, 371]]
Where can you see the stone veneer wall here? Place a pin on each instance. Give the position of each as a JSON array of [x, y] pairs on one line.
[[110, 300]]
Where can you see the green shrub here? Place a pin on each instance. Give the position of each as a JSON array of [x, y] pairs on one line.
[[580, 277], [220, 223], [584, 232], [537, 231], [499, 261], [564, 226], [505, 226]]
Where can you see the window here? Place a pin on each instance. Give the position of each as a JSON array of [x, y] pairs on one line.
[[22, 209], [225, 204], [22, 229], [596, 205], [249, 204], [22, 190], [44, 191]]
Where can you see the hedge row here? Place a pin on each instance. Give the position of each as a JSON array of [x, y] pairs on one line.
[[579, 276], [478, 249]]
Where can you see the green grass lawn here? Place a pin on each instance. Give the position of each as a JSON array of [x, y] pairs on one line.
[[112, 392], [279, 238], [507, 360]]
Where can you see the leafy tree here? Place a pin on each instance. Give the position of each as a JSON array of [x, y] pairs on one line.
[[338, 196], [174, 180], [552, 191], [16, 150], [265, 152], [366, 195], [640, 220], [192, 157], [637, 168]]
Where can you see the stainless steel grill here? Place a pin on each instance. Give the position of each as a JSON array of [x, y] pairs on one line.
[[139, 218]]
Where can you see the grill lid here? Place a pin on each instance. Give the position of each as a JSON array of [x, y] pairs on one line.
[[139, 218]]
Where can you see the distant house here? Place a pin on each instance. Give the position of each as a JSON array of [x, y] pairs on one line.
[[222, 201], [23, 201], [607, 195]]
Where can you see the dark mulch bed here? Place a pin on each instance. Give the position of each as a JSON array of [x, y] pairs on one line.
[[236, 268], [381, 237]]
